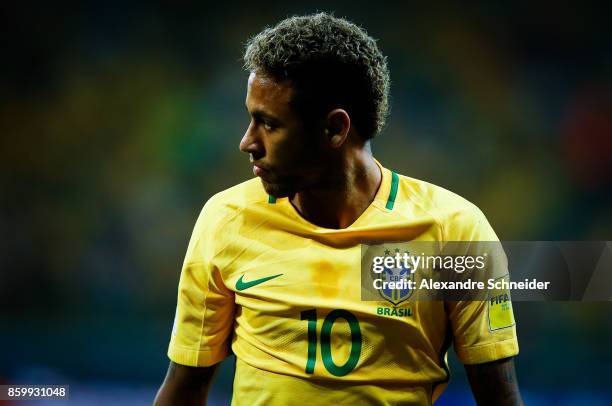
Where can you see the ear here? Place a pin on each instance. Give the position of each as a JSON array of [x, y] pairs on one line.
[[337, 126]]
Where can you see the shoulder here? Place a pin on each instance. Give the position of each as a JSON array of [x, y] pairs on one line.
[[435, 199], [456, 215], [224, 207], [216, 225], [237, 197], [229, 203]]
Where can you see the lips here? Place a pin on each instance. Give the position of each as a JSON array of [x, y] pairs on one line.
[[258, 171], [261, 172]]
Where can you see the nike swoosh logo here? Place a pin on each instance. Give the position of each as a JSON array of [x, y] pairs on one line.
[[242, 285]]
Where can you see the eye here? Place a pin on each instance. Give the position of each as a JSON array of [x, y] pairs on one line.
[[268, 126]]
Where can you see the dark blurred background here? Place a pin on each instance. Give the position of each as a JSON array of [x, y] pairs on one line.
[[118, 121]]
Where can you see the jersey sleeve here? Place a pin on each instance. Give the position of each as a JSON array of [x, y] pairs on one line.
[[205, 306], [483, 330]]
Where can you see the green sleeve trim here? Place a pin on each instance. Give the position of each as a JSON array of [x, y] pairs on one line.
[[271, 199]]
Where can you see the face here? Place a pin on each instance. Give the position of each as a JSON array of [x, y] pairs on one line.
[[285, 155]]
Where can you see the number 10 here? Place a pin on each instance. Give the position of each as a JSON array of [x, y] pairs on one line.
[[328, 322]]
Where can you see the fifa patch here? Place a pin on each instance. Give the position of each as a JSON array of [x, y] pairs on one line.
[[500, 309]]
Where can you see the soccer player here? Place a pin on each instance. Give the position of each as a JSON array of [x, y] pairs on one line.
[[273, 266]]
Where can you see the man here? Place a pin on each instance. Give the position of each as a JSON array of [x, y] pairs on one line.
[[271, 266]]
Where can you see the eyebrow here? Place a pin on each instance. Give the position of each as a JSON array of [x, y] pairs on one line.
[[260, 114]]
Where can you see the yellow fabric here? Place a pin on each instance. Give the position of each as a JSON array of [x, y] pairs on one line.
[[241, 238]]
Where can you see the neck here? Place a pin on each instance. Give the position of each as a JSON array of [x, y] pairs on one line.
[[352, 189]]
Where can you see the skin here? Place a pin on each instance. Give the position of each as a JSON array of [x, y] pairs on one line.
[[185, 385], [494, 383], [325, 161]]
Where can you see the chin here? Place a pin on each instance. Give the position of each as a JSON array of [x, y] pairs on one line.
[[277, 190]]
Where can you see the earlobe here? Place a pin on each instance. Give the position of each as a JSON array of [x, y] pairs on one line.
[[337, 140]]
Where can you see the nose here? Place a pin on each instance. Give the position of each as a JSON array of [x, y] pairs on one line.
[[250, 142]]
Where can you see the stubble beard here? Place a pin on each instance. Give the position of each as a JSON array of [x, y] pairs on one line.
[[313, 174], [278, 190], [290, 185]]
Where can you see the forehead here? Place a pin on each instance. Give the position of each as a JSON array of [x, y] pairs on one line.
[[264, 93]]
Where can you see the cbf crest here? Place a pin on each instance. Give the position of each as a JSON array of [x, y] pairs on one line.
[[396, 274]]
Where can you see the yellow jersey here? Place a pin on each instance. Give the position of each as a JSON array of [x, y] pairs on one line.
[[283, 295]]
